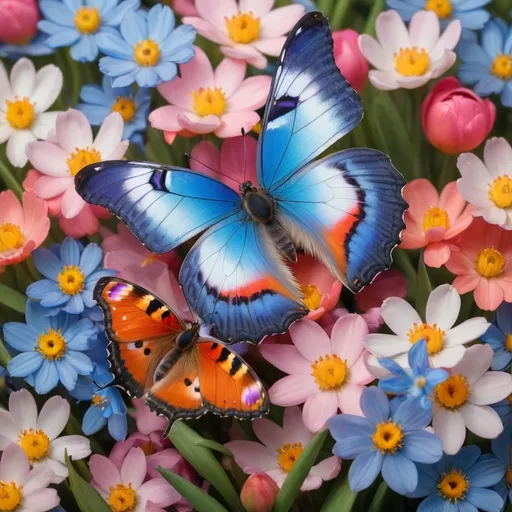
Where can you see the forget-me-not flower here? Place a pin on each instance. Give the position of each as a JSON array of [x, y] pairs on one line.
[[34, 48], [499, 337], [504, 409], [502, 448]]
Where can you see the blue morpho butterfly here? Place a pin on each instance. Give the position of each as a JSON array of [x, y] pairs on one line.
[[346, 209]]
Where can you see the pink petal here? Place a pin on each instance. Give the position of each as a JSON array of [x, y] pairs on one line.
[[348, 399], [327, 469], [166, 118], [303, 333], [166, 459], [460, 224], [233, 122], [72, 203], [421, 195], [73, 130], [286, 357], [280, 21], [11, 210], [293, 427], [120, 450], [488, 295], [14, 466], [51, 186], [413, 237], [133, 469], [250, 454], [452, 201], [110, 134], [318, 409], [238, 159], [229, 75], [271, 46], [260, 8], [292, 390], [348, 336], [37, 223], [104, 472], [207, 30], [170, 137], [245, 52], [359, 373], [450, 428], [482, 420], [270, 434], [48, 158], [196, 124], [215, 11], [42, 499], [85, 223], [147, 421], [437, 254], [251, 95], [160, 492], [466, 283]]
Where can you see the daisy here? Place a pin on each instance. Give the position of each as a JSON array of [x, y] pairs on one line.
[[409, 58], [24, 100], [280, 450], [445, 343], [462, 401], [38, 435], [502, 448], [499, 337]]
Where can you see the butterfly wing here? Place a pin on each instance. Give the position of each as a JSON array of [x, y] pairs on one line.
[[310, 105], [163, 206]]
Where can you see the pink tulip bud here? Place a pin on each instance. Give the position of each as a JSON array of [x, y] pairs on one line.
[[259, 493], [19, 21], [454, 118], [349, 59]]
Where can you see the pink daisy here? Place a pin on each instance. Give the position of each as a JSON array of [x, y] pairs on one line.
[[184, 7]]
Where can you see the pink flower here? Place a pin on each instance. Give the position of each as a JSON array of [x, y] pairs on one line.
[[62, 157], [146, 420], [483, 262], [184, 7], [349, 59], [454, 118], [433, 221], [280, 450], [22, 228], [259, 493], [246, 30], [19, 21], [205, 101], [325, 374], [390, 283]]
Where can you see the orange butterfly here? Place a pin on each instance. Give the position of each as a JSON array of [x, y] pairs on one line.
[[155, 355]]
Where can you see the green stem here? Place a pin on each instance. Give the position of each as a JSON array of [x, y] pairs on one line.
[[377, 8], [5, 357], [325, 6], [376, 505], [447, 171], [10, 181], [12, 299], [340, 10]]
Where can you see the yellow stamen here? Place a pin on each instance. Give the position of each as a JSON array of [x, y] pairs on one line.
[[330, 372], [433, 335], [82, 157], [11, 237], [122, 498], [453, 485], [443, 8], [288, 454], [126, 107], [502, 66], [388, 437], [509, 398], [412, 61], [257, 128], [10, 495], [149, 260], [209, 102], [453, 392], [51, 344], [312, 297], [500, 191], [490, 262], [35, 443], [148, 448], [87, 20], [146, 53], [20, 113], [508, 476], [508, 341], [243, 28], [435, 217], [71, 279]]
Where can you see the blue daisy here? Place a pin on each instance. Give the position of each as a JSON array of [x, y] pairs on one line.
[[51, 348], [499, 337], [71, 273], [501, 447], [460, 483], [148, 49], [79, 23], [34, 48]]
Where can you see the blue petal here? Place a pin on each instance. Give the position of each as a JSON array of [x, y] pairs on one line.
[[400, 473], [114, 46], [83, 390], [501, 359], [392, 366], [126, 79], [474, 20], [364, 470], [93, 278], [25, 364], [422, 446], [95, 95], [36, 316], [78, 337], [70, 252], [484, 499], [51, 28], [489, 84], [67, 373], [347, 425], [75, 305], [116, 401], [85, 50], [411, 415], [147, 77], [418, 357], [40, 289], [116, 67], [435, 376], [65, 38], [181, 38], [466, 458], [375, 405], [57, 13], [161, 23], [79, 361], [134, 28], [73, 5], [493, 337], [353, 446], [116, 15], [93, 420], [492, 39], [506, 95], [117, 426], [90, 259], [167, 71], [95, 114], [465, 506], [435, 503], [395, 385], [487, 472], [88, 298], [47, 377], [47, 263], [405, 10], [470, 73], [473, 53], [426, 484], [19, 336], [468, 5]]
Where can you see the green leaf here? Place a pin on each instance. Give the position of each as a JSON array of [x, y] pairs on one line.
[[300, 470], [403, 262], [12, 298], [213, 445], [378, 500], [424, 288], [341, 498], [199, 500]]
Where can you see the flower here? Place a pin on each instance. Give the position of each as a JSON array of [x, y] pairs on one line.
[[124, 489], [349, 59], [246, 30], [488, 66], [71, 275], [385, 440], [259, 493], [24, 489], [100, 101], [62, 158], [24, 100], [184, 7], [38, 435], [417, 382], [51, 348], [33, 48], [280, 450], [501, 447], [326, 375], [409, 59], [499, 337], [19, 20], [463, 400], [147, 50], [432, 220], [487, 185], [203, 101], [79, 24], [445, 343], [23, 227], [480, 262], [504, 409], [454, 118], [146, 420]]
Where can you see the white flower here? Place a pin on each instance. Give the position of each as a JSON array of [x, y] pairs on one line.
[[38, 435], [445, 343], [24, 100], [463, 400], [487, 185], [409, 59]]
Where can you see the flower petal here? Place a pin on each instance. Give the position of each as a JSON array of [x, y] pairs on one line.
[[104, 472], [400, 473], [365, 469], [482, 420], [399, 316], [133, 469], [303, 332], [318, 409], [23, 409], [293, 390], [348, 336], [375, 405], [475, 363], [443, 307], [449, 426], [491, 388]]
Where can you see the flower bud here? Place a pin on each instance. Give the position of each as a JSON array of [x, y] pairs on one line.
[[259, 493], [19, 21], [349, 59]]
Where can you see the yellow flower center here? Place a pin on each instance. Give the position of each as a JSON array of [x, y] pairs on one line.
[[412, 61], [443, 8], [508, 341], [10, 495], [288, 454], [11, 237], [509, 398], [329, 371], [149, 260], [20, 113], [500, 192], [146, 53], [453, 485], [71, 279], [35, 443], [243, 28], [126, 107], [82, 157], [99, 401], [502, 66], [453, 392], [87, 20], [257, 128], [508, 476], [420, 382], [52, 344], [209, 102], [312, 296], [430, 333], [148, 448], [122, 498], [435, 217], [388, 437], [490, 262]]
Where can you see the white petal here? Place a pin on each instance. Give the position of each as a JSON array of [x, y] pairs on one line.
[[17, 146], [474, 195], [448, 40], [5, 131], [42, 499], [444, 63], [391, 32], [482, 420], [424, 30], [374, 53], [475, 363], [448, 357], [493, 215], [386, 345], [399, 316], [23, 409], [23, 78], [43, 124], [54, 416], [443, 306], [474, 171], [383, 80], [78, 447], [450, 428], [9, 431], [413, 82], [491, 388], [14, 466], [60, 470], [38, 478], [465, 332], [72, 204], [498, 156], [73, 130], [5, 84], [110, 134], [372, 365], [47, 87]]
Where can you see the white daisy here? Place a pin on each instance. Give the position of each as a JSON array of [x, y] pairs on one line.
[[24, 99], [38, 434], [409, 58]]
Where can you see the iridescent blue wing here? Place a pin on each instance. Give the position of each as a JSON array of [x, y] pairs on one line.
[[163, 206], [310, 105]]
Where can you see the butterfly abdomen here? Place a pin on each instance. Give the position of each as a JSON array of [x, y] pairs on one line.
[[282, 240]]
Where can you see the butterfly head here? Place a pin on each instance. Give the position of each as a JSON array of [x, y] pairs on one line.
[[188, 337]]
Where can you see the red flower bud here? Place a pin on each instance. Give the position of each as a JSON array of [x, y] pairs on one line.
[[259, 493], [349, 59]]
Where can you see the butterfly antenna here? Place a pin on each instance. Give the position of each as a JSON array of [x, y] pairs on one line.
[[100, 388], [190, 157], [245, 154]]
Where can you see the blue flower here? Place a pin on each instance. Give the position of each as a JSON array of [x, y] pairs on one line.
[[419, 381], [308, 5], [499, 337], [460, 483], [79, 23], [504, 409], [52, 348], [34, 48], [99, 102], [389, 439], [147, 50], [501, 447], [488, 66], [72, 273]]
